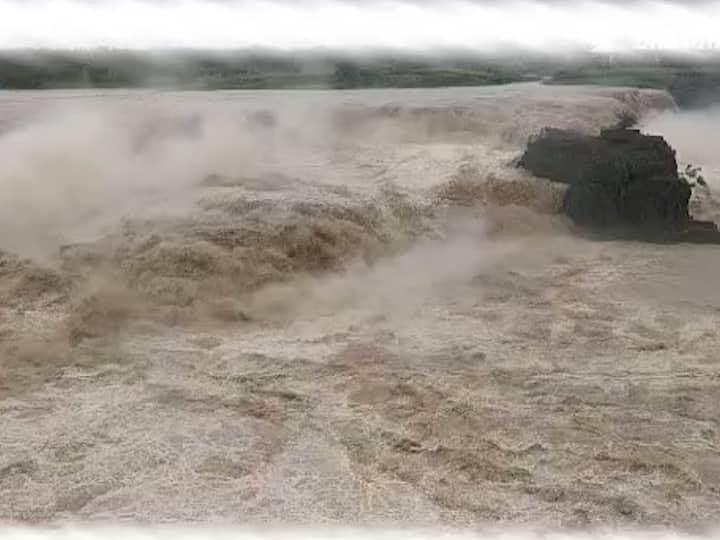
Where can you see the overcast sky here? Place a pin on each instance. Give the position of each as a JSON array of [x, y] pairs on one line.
[[407, 24]]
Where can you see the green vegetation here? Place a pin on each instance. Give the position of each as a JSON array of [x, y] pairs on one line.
[[640, 77], [123, 69], [691, 82], [242, 70], [348, 74], [690, 86]]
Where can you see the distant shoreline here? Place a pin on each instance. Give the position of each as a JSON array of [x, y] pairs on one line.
[[691, 83]]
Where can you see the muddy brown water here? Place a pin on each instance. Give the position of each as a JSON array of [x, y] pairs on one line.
[[356, 313]]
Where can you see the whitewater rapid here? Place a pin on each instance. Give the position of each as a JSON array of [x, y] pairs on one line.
[[343, 307]]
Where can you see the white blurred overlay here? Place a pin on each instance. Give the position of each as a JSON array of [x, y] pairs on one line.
[[399, 24], [178, 533]]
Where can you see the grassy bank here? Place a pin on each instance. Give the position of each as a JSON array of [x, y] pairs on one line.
[[691, 82], [691, 85], [198, 71]]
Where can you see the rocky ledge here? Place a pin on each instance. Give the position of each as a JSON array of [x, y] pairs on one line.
[[622, 184]]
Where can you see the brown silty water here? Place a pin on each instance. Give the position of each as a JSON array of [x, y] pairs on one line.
[[343, 307]]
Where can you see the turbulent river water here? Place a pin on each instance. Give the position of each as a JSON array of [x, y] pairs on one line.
[[347, 308]]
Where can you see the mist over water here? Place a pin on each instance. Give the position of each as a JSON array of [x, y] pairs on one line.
[[693, 134], [343, 307], [75, 157]]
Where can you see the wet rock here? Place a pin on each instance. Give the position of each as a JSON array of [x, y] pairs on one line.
[[623, 183]]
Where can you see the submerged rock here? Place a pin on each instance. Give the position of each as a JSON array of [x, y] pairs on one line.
[[621, 182]]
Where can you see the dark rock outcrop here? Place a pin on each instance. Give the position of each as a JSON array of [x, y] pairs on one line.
[[622, 183]]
